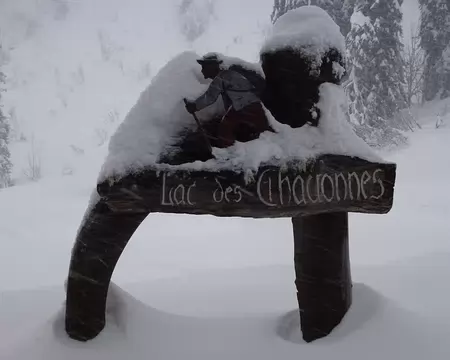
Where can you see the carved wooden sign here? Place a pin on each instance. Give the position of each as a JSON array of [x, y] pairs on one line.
[[332, 183], [317, 196]]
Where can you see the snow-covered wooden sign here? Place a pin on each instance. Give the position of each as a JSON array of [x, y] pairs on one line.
[[312, 168], [331, 183]]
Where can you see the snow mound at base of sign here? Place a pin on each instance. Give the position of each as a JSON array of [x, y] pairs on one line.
[[159, 116], [197, 317]]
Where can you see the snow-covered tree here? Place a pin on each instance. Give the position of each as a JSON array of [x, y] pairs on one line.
[[375, 48], [339, 10], [435, 41], [5, 161]]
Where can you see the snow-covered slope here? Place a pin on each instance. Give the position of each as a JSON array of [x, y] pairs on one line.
[[74, 72]]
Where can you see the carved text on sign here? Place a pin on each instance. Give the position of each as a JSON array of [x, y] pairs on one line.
[[318, 188], [177, 195], [228, 194], [277, 188]]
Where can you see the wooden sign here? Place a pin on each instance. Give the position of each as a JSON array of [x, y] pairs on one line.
[[330, 184], [317, 197]]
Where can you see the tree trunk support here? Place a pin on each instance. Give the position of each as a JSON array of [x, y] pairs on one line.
[[322, 269], [97, 249]]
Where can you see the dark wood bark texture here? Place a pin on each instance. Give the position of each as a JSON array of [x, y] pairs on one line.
[[100, 242], [322, 272]]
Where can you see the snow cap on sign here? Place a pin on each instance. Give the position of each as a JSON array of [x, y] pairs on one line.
[[308, 29], [159, 116], [228, 61]]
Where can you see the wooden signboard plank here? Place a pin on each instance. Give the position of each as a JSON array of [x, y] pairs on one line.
[[330, 184]]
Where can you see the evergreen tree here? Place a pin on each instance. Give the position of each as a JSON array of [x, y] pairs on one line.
[[5, 162], [435, 41], [377, 88], [339, 10]]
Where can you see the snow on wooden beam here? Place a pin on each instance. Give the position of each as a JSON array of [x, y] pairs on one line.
[[330, 184]]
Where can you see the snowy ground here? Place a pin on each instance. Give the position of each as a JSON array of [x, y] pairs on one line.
[[202, 288]]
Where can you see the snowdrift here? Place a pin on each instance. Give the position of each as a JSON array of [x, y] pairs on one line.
[[196, 317]]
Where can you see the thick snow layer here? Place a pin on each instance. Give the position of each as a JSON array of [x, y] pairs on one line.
[[249, 315], [334, 135], [359, 19], [308, 29], [153, 123], [158, 116], [228, 61]]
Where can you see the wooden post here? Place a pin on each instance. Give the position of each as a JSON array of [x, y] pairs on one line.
[[98, 246], [322, 269]]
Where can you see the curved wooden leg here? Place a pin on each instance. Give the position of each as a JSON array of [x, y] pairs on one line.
[[322, 269], [99, 244]]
